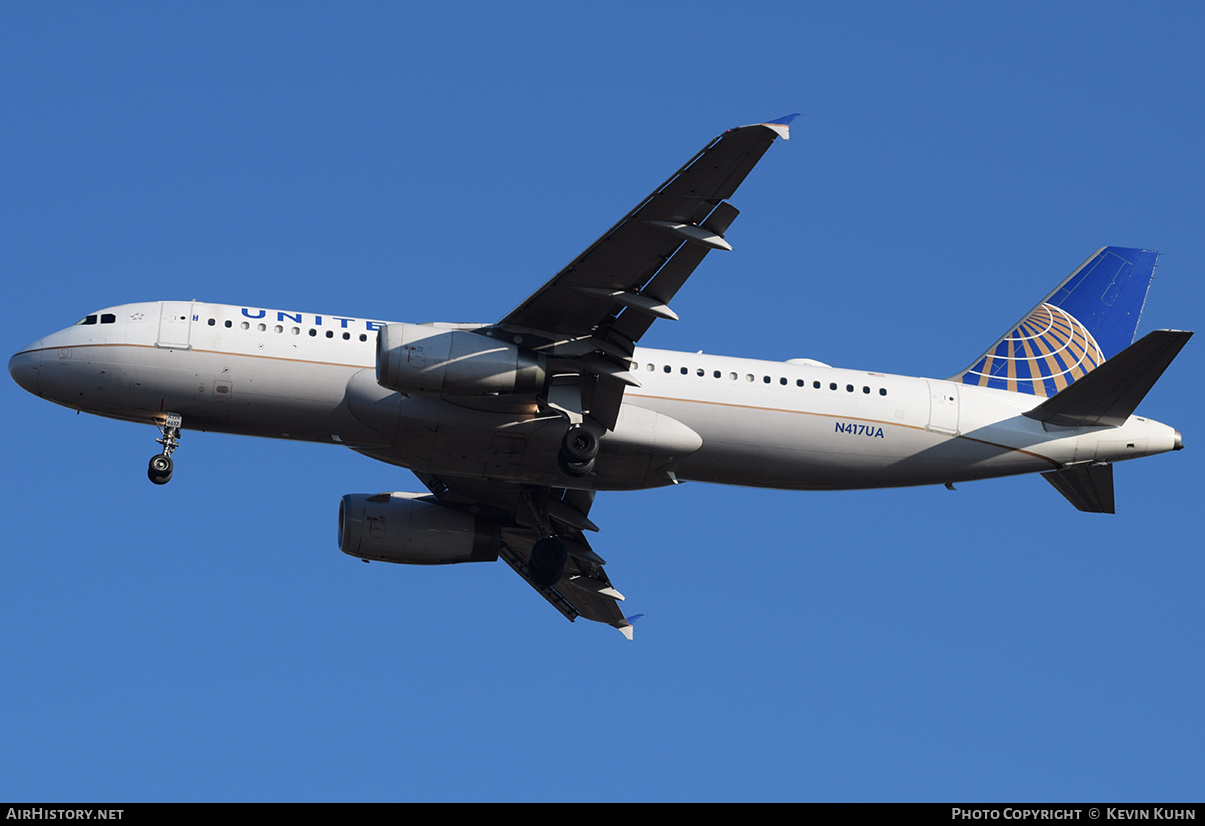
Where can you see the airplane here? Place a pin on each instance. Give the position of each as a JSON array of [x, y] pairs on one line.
[[513, 426]]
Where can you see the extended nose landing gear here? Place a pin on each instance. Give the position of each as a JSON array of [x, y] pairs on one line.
[[160, 469]]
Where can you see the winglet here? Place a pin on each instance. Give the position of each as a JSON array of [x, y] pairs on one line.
[[780, 127], [626, 628]]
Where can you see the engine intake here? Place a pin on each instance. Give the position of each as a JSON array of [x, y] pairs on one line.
[[415, 358], [410, 529]]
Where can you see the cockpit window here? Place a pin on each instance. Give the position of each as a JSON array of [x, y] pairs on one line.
[[86, 320], [108, 318]]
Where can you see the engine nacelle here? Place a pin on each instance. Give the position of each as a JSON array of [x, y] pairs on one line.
[[410, 529], [415, 358]]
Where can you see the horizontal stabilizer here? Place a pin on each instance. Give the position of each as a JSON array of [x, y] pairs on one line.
[[1088, 487], [1108, 395]]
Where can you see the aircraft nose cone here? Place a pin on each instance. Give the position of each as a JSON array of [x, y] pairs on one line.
[[23, 367]]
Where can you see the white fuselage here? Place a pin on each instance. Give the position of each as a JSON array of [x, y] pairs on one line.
[[694, 416]]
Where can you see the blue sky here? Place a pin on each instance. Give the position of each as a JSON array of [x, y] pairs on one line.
[[207, 640]]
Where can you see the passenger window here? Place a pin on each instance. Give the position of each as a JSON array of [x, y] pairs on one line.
[[866, 390], [229, 323], [849, 388], [832, 385], [212, 322], [882, 391]]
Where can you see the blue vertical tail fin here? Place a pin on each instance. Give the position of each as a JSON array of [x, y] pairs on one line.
[[1087, 319]]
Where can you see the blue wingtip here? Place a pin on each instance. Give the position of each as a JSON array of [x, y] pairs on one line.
[[780, 125]]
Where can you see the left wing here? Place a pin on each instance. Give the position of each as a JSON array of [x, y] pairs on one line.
[[588, 317], [584, 590]]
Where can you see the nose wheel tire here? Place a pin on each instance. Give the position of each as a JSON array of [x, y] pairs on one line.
[[159, 470]]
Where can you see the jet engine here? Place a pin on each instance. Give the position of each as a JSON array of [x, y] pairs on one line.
[[413, 529], [416, 358]]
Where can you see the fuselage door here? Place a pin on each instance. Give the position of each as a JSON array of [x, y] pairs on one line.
[[943, 407], [175, 322]]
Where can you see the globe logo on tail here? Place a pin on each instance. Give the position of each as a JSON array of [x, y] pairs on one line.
[[1047, 351]]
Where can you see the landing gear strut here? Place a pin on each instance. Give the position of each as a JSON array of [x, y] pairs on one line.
[[160, 469]]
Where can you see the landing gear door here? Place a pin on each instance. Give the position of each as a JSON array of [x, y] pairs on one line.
[[943, 407], [175, 322]]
